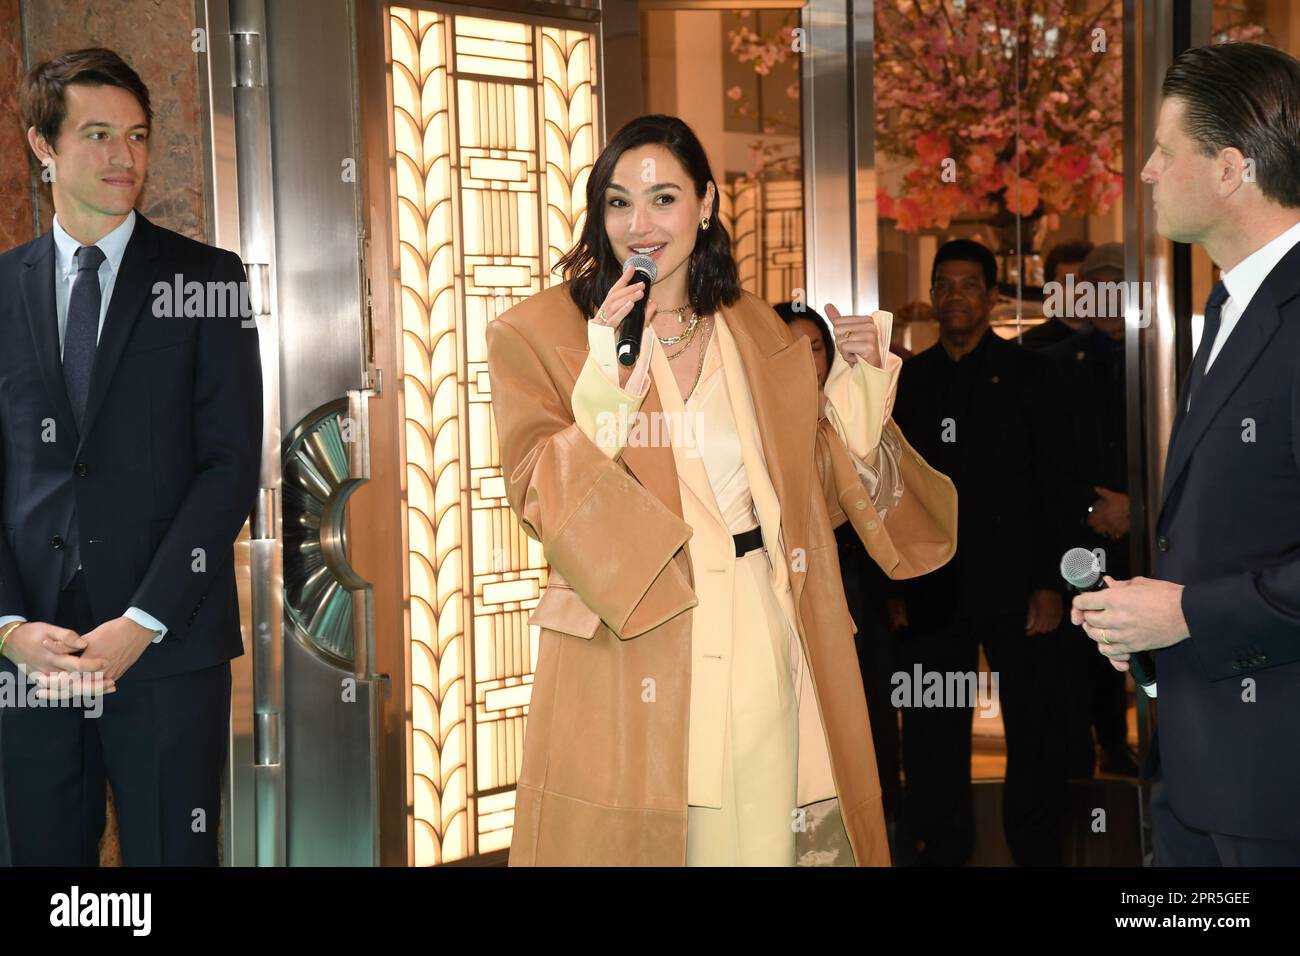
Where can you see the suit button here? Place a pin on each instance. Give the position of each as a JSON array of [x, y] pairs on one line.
[[860, 505], [56, 543], [1162, 543], [82, 470], [871, 525]]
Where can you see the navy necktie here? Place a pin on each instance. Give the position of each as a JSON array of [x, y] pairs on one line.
[[81, 336], [1213, 315]]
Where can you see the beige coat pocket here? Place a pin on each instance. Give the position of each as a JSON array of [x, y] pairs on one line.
[[560, 609]]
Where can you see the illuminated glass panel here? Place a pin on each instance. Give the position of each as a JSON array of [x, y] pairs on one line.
[[493, 139]]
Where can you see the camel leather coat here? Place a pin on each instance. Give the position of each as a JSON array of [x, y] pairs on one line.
[[604, 775]]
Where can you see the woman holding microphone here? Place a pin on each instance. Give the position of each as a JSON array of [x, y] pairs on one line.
[[696, 691]]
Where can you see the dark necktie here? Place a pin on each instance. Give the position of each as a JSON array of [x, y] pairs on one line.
[[1213, 315], [81, 336]]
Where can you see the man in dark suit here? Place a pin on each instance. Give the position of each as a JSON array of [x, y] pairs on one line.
[[1223, 612], [981, 409], [131, 426]]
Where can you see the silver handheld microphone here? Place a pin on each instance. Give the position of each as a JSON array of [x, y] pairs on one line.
[[629, 335], [1082, 571]]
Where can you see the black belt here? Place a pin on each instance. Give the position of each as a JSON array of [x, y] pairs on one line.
[[748, 541]]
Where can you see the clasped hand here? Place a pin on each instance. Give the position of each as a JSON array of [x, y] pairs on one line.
[[61, 661]]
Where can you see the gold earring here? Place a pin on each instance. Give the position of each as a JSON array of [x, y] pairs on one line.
[[704, 223]]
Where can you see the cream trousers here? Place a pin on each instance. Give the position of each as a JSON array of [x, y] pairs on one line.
[[755, 824]]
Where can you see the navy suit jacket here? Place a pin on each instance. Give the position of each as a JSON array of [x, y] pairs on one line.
[[1229, 530], [164, 471]]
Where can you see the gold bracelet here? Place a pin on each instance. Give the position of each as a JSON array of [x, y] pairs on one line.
[[4, 636]]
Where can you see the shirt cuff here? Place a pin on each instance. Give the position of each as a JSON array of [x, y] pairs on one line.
[[602, 410], [859, 399], [145, 620], [9, 619]]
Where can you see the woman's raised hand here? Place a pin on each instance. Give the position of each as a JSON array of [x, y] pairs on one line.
[[619, 301], [856, 336]]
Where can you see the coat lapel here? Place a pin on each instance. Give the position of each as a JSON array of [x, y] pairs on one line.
[[1248, 339], [43, 321], [783, 387], [130, 290]]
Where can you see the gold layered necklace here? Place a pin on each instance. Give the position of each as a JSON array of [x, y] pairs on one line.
[[684, 339], [678, 312], [671, 340], [699, 367]]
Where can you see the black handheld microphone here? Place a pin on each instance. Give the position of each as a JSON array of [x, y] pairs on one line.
[[629, 335], [1082, 572]]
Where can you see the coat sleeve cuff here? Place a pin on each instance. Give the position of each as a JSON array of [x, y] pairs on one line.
[[859, 400], [1234, 630], [633, 590], [603, 411]]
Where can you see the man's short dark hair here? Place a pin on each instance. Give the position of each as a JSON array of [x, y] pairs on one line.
[[43, 103], [966, 250], [1076, 250], [1245, 95]]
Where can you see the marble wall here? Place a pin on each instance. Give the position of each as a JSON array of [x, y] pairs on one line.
[[15, 178]]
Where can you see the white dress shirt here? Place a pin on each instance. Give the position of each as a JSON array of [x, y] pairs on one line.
[[1244, 280], [113, 246]]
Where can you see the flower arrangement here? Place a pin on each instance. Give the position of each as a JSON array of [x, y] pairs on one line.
[[957, 80], [767, 54]]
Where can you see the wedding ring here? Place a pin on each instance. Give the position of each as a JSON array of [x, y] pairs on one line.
[[1104, 638], [600, 315]]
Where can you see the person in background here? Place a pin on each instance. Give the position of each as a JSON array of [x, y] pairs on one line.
[[810, 324], [982, 409], [1090, 372], [865, 590], [1065, 259]]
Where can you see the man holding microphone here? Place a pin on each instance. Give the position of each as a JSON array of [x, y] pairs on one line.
[[1223, 612]]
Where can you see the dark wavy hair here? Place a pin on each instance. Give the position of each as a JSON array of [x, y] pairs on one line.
[[590, 266]]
